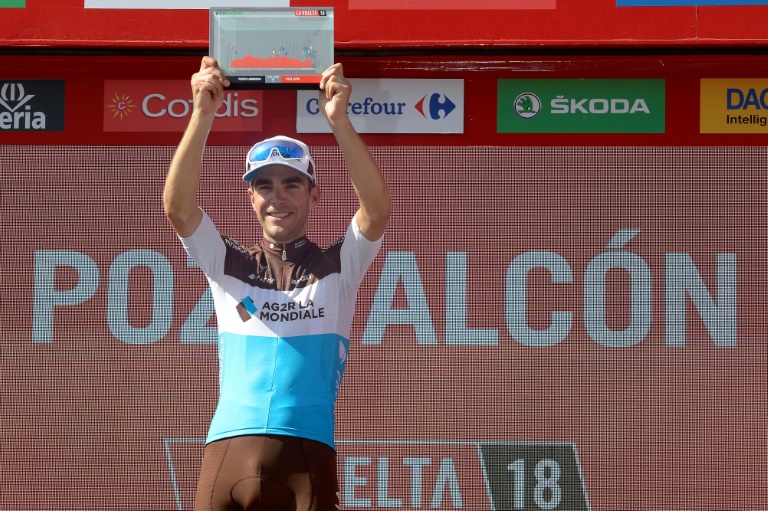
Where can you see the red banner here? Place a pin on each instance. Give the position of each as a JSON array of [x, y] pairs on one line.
[[377, 24]]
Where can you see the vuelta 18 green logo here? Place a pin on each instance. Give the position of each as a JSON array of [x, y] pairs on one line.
[[581, 106]]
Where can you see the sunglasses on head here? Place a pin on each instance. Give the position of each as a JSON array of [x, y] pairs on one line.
[[295, 155]]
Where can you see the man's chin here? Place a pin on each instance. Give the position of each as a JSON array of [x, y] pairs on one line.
[[279, 235]]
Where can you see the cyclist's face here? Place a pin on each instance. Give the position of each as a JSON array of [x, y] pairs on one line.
[[282, 198]]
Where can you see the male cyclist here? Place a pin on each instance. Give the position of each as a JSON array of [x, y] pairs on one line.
[[284, 307]]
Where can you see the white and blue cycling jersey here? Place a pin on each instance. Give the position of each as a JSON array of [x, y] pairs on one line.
[[284, 315]]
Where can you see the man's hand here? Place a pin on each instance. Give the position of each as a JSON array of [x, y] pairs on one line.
[[208, 87], [335, 93]]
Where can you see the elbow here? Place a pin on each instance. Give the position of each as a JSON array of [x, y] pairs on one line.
[[386, 212], [170, 207], [379, 216], [177, 212], [383, 209]]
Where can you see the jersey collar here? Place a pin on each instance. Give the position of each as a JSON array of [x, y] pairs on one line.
[[288, 252]]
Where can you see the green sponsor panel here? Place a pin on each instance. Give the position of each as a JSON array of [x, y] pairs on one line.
[[13, 3], [581, 106]]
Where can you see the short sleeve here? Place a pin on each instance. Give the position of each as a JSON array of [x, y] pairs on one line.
[[206, 247], [357, 253]]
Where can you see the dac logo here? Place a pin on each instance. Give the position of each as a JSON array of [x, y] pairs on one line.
[[527, 105], [435, 106], [742, 99], [17, 113], [733, 105]]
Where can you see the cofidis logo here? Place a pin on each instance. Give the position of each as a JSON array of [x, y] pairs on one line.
[[166, 105], [732, 105], [392, 106]]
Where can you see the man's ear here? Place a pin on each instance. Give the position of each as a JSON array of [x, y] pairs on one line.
[[314, 198]]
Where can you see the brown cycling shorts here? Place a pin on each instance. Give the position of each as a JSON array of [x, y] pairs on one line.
[[267, 473]]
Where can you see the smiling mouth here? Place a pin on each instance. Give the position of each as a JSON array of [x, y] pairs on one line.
[[279, 216]]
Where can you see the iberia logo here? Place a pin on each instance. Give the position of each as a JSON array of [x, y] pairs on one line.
[[166, 105], [121, 106]]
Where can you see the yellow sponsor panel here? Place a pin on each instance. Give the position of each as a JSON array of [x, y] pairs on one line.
[[734, 105]]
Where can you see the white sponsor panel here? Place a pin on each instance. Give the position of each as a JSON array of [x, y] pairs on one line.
[[179, 4], [382, 105]]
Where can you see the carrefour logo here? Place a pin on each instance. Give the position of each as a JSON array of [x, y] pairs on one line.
[[438, 106], [581, 106], [392, 106], [367, 106]]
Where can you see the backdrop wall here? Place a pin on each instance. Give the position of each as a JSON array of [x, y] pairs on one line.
[[557, 320]]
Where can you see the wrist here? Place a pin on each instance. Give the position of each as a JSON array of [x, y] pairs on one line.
[[202, 119], [341, 124]]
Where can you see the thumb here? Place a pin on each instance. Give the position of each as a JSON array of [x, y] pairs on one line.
[[208, 62]]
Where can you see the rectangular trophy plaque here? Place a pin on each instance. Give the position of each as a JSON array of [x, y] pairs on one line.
[[272, 47]]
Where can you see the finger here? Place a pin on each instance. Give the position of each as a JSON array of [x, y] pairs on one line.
[[324, 79], [208, 62], [209, 85], [217, 83], [222, 78], [216, 76], [331, 88], [335, 69]]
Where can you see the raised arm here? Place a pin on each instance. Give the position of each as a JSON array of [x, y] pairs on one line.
[[181, 184], [367, 180]]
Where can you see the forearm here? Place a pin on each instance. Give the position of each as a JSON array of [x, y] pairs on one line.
[[367, 179], [182, 181]]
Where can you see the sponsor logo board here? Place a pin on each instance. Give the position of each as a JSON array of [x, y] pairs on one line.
[[166, 105], [179, 4], [683, 3], [581, 106], [453, 5], [32, 105], [392, 106], [733, 105]]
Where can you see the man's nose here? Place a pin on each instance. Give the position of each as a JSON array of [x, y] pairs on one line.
[[278, 193]]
